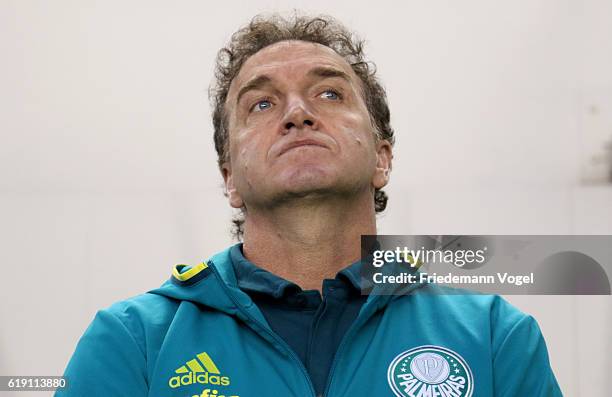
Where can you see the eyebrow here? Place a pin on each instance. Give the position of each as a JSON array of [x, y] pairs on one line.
[[253, 84], [320, 71], [328, 72]]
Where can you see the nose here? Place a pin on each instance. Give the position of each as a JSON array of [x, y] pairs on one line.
[[297, 116]]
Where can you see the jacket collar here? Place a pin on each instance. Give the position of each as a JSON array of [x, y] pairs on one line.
[[251, 278], [216, 286]]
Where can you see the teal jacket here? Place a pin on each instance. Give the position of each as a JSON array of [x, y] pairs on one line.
[[199, 335]]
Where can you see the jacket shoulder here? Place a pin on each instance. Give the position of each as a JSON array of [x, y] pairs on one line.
[[143, 316]]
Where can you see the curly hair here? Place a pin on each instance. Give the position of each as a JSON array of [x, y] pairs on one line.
[[263, 31]]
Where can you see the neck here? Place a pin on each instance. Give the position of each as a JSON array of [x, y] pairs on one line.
[[307, 242]]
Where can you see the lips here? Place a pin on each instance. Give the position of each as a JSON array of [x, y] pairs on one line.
[[302, 142]]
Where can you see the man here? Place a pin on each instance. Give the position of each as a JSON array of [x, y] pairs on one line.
[[305, 146]]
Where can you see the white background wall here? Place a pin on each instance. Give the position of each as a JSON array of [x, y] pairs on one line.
[[107, 168]]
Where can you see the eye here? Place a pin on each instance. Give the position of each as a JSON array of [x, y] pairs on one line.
[[331, 94], [262, 105]]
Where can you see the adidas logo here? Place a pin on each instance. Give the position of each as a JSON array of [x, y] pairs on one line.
[[200, 370]]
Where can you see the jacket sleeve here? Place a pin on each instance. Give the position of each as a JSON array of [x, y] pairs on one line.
[[520, 359], [107, 361]]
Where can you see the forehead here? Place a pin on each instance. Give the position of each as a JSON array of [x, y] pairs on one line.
[[288, 57]]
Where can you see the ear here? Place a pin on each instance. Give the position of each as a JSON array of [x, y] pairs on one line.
[[384, 155], [230, 189]]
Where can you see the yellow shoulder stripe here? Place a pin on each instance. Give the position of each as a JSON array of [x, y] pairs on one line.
[[186, 275]]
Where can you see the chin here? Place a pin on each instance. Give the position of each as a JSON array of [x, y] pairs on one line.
[[306, 180]]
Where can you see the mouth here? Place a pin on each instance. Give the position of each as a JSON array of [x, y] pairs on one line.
[[301, 143]]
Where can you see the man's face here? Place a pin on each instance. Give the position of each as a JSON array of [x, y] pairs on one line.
[[298, 127]]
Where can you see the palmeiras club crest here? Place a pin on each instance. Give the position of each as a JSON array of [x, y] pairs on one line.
[[430, 371]]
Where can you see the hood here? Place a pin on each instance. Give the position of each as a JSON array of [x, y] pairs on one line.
[[213, 284]]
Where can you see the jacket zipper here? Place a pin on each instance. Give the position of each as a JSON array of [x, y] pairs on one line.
[[277, 338], [356, 324], [349, 334]]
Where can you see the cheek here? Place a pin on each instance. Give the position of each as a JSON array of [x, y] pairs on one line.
[[248, 149], [357, 133], [357, 143]]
